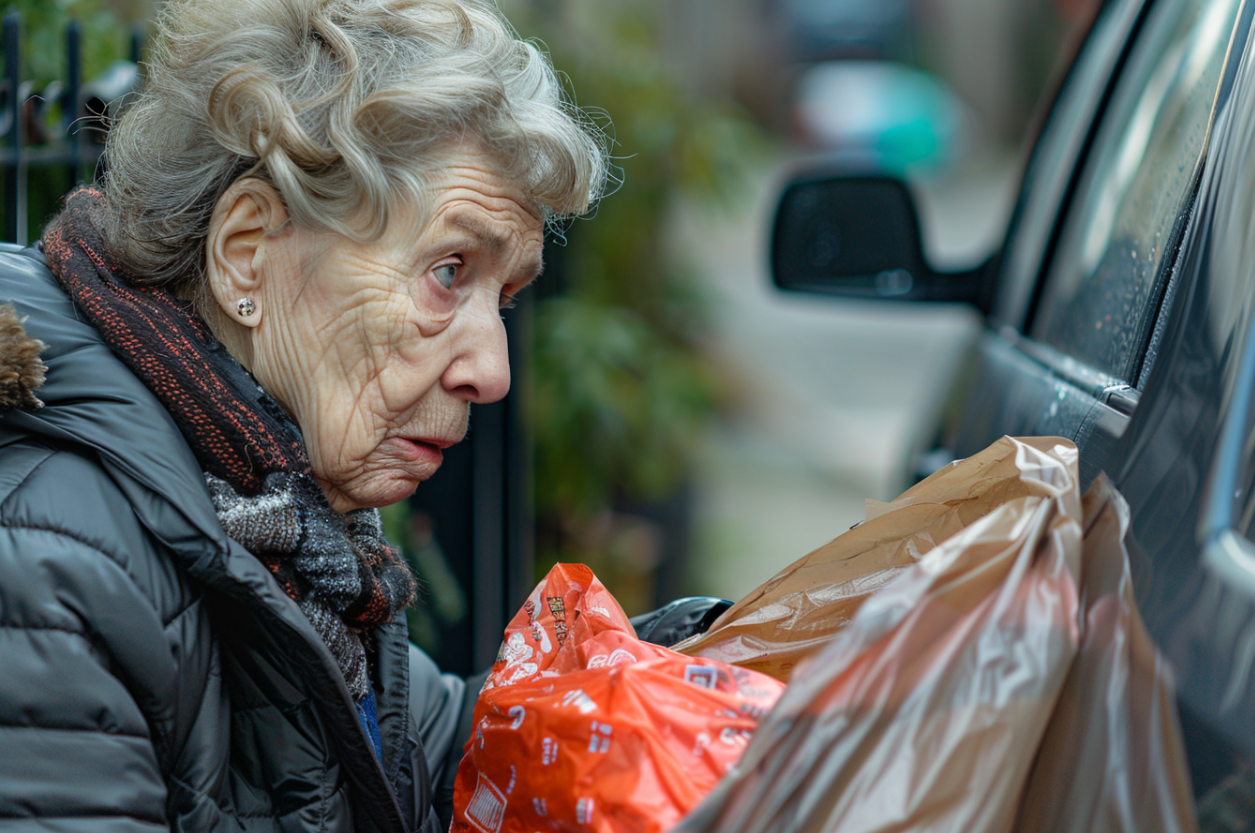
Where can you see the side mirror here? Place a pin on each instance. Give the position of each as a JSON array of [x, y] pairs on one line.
[[859, 237]]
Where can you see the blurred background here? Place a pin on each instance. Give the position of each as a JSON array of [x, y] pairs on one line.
[[726, 428], [677, 423]]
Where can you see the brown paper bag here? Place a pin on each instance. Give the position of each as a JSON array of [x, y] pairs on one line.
[[1112, 759], [800, 608], [924, 714]]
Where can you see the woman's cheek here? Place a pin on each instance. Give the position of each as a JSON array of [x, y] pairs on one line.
[[432, 307], [342, 440]]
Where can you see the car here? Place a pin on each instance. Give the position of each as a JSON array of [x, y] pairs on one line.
[[1119, 312]]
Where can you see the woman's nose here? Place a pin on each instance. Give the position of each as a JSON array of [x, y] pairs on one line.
[[480, 370]]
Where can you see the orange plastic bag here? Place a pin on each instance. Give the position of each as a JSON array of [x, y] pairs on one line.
[[581, 726], [1112, 760], [925, 712], [799, 609]]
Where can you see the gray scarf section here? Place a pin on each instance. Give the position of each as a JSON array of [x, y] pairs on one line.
[[316, 554]]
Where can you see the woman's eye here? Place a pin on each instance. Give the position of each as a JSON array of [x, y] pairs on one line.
[[447, 274]]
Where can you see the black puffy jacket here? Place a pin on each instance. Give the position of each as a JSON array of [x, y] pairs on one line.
[[152, 673]]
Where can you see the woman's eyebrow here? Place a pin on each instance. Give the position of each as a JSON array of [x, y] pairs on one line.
[[485, 235], [495, 243]]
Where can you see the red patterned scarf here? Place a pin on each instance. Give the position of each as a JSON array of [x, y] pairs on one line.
[[338, 567]]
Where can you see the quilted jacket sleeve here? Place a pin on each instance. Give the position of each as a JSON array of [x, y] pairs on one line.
[[83, 650], [440, 716]]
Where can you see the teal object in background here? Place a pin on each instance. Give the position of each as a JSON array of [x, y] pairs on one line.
[[880, 115]]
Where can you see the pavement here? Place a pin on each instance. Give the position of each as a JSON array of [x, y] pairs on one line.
[[835, 398]]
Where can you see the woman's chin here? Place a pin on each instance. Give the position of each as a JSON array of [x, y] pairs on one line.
[[389, 475], [383, 489]]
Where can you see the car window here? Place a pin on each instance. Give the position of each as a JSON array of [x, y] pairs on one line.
[[1054, 152], [1099, 292]]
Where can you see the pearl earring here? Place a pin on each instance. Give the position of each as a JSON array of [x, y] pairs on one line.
[[246, 307]]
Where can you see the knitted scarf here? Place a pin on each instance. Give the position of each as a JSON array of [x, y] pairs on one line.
[[338, 568]]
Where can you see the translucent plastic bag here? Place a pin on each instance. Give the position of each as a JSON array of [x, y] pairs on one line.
[[925, 712], [798, 610], [1112, 759], [582, 726]]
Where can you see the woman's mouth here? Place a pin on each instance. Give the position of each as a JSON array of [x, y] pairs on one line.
[[420, 451]]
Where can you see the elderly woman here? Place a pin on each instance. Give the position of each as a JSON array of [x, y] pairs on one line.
[[270, 320]]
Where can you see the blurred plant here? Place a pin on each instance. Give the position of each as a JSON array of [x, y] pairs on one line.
[[441, 601], [104, 39], [619, 386], [104, 35], [615, 404]]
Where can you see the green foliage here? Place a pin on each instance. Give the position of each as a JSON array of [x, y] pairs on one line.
[[615, 404], [104, 39], [620, 387], [441, 601], [44, 22]]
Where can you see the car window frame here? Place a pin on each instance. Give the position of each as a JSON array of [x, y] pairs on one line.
[[1128, 379], [1227, 549], [1015, 309], [1072, 123], [1242, 34]]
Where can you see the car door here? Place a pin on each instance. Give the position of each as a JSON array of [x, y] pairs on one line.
[[1106, 198], [1186, 465], [1121, 314], [1123, 327]]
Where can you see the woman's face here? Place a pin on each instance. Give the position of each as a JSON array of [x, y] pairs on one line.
[[377, 350]]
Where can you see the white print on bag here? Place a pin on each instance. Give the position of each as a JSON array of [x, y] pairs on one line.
[[701, 676], [542, 637], [584, 811], [548, 751], [745, 684], [541, 808], [517, 652], [601, 610], [517, 713], [514, 775], [755, 711], [700, 744], [734, 737], [600, 743], [620, 656], [479, 731], [524, 671], [486, 809], [580, 700]]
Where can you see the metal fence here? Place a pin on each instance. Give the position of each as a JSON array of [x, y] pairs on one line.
[[56, 132]]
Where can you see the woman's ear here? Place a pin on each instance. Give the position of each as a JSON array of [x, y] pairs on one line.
[[246, 213]]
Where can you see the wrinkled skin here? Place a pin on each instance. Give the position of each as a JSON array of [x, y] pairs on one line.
[[377, 350]]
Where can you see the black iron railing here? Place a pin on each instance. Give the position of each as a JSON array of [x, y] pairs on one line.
[[57, 130]]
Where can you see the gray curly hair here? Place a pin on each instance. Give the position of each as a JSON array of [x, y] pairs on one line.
[[347, 107]]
